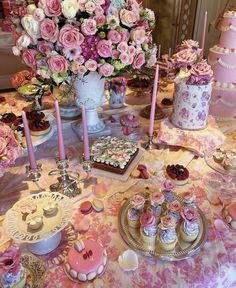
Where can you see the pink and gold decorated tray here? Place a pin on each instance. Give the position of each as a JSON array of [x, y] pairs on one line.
[[182, 250]]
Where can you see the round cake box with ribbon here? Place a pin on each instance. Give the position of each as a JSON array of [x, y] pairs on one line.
[[191, 106]]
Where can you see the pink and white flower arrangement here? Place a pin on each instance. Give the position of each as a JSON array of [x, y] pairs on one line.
[[10, 150], [60, 38]]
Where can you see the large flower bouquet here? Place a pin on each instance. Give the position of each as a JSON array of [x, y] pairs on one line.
[[59, 38], [9, 148]]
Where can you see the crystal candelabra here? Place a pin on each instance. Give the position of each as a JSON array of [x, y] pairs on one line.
[[34, 173], [67, 184]]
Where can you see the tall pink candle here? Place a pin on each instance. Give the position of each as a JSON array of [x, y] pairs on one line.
[[153, 106], [85, 134], [60, 140], [204, 31], [33, 164]]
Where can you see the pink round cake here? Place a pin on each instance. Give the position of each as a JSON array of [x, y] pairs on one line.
[[222, 58], [131, 121], [86, 260]]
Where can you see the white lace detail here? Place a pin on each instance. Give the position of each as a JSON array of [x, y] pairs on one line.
[[222, 63], [119, 4]]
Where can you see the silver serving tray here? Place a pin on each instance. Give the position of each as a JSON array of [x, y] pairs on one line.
[[183, 250]]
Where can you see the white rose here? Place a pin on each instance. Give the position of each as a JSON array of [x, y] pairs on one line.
[[151, 61], [138, 36], [150, 14], [70, 8], [42, 4], [16, 51], [31, 8], [127, 17], [31, 26], [90, 7], [112, 21], [39, 14], [23, 41]]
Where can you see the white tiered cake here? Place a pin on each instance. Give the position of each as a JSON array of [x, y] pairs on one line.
[[222, 58]]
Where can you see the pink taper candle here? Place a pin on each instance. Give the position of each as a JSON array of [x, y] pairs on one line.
[[85, 135], [60, 140], [204, 31], [33, 164], [153, 106]]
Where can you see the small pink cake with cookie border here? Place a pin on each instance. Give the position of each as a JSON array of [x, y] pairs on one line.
[[86, 260]]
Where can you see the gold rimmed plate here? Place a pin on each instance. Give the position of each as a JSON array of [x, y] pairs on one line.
[[183, 250]]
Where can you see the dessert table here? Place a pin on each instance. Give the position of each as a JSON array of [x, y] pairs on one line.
[[214, 266]]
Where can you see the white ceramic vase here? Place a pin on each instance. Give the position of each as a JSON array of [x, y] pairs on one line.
[[89, 91], [191, 106]]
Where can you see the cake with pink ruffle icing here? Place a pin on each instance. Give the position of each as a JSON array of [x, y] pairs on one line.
[[222, 58], [86, 260]]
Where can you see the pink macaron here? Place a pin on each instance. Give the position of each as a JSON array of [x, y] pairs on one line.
[[86, 207]]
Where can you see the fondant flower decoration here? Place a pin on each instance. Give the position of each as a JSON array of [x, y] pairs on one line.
[[10, 261], [188, 197], [167, 222], [189, 214], [128, 261], [168, 184], [157, 198], [147, 219], [137, 201], [174, 206]]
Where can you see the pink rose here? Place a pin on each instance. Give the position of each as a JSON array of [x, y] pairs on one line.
[[147, 219], [128, 18], [53, 8], [99, 11], [104, 48], [189, 213], [22, 11], [168, 184], [124, 58], [114, 36], [138, 36], [100, 19], [79, 59], [131, 50], [106, 70], [122, 47], [28, 57], [174, 206], [91, 65], [49, 30], [167, 222], [157, 198], [10, 261], [89, 27], [70, 37], [44, 46], [90, 7], [124, 33], [58, 64], [82, 70], [115, 54], [139, 60], [131, 59]]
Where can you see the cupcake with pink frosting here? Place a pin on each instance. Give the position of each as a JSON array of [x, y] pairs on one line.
[[148, 229], [189, 228], [173, 209], [133, 216], [167, 233], [156, 200]]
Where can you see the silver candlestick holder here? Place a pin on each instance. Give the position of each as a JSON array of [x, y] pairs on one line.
[[87, 165], [34, 173], [149, 145], [67, 184]]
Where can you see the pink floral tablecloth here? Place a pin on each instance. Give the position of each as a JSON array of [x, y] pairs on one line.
[[202, 142], [214, 266]]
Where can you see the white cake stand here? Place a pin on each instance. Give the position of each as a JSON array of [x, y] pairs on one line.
[[48, 237]]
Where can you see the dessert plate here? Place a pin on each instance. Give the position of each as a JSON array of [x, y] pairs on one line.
[[219, 168], [35, 271], [17, 229], [183, 250]]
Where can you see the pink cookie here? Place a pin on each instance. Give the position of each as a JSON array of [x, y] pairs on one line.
[[86, 207]]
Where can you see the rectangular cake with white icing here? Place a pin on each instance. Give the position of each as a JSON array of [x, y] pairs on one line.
[[113, 154]]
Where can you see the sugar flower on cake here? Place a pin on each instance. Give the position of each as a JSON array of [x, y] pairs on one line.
[[191, 45], [189, 214], [10, 261], [200, 74], [167, 222], [184, 58], [56, 38], [138, 201], [10, 150]]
